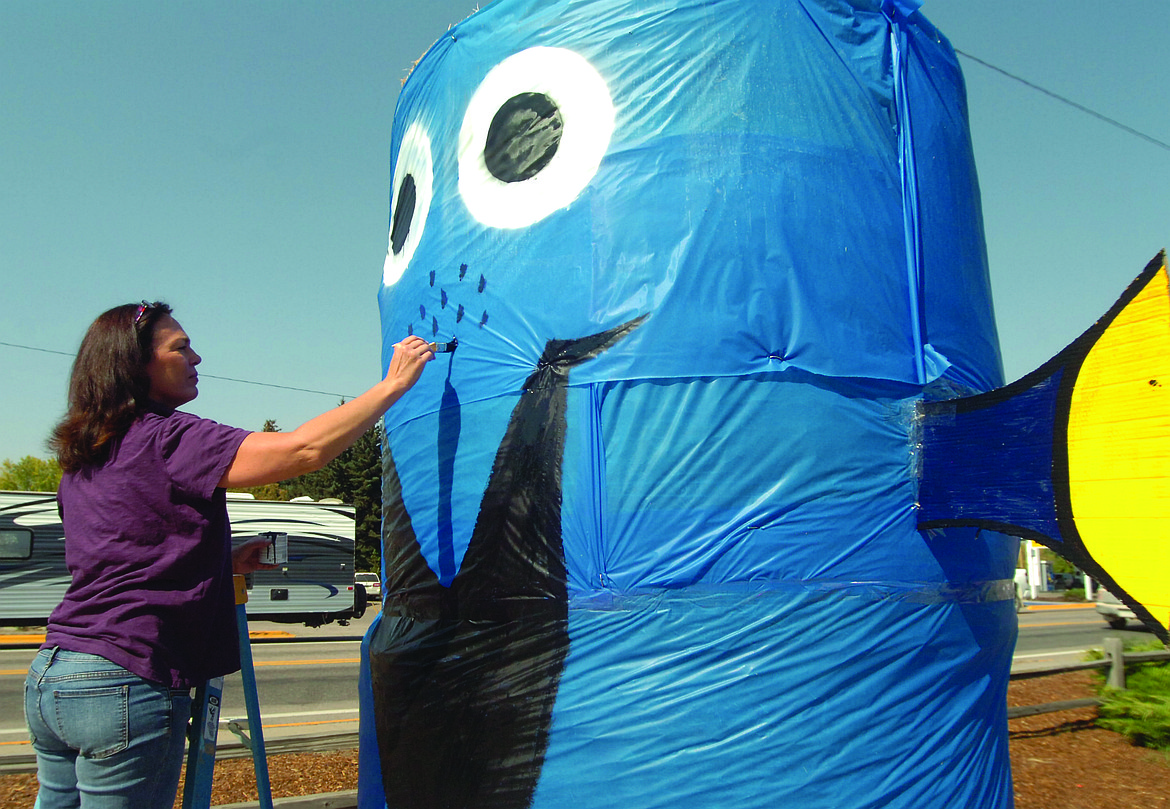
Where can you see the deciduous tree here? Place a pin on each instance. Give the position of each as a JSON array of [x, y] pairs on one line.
[[30, 474]]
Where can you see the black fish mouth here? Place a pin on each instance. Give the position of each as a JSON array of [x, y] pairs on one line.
[[465, 677]]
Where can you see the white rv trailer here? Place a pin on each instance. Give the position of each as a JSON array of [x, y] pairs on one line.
[[315, 586]]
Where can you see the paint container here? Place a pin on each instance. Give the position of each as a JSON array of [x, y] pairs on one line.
[[276, 553]]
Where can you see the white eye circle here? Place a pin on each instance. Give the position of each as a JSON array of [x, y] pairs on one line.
[[410, 200], [533, 136]]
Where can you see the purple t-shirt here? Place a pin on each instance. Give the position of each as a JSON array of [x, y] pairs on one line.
[[148, 544]]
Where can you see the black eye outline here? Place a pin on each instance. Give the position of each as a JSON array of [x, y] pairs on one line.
[[548, 112], [411, 194]]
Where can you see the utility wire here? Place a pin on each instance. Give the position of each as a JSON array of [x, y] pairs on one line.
[[34, 348], [206, 376], [271, 385], [1068, 101]]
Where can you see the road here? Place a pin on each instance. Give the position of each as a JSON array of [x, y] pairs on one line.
[[308, 685], [306, 680], [1051, 634]]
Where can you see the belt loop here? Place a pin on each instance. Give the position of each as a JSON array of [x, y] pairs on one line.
[[52, 656]]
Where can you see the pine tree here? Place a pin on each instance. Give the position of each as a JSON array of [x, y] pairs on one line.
[[364, 471]]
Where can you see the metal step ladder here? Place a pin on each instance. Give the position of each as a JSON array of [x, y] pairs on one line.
[[205, 729]]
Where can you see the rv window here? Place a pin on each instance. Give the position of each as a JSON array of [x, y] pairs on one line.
[[15, 544]]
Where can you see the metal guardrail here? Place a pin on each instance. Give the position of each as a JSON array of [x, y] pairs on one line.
[[327, 800], [1052, 707], [1115, 660], [299, 744]]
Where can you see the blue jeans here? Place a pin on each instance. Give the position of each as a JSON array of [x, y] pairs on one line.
[[104, 738]]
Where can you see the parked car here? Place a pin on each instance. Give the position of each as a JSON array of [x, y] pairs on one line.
[[1111, 608], [371, 582], [1021, 582]]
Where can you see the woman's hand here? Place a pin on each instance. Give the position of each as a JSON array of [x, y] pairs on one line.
[[246, 558], [407, 363]]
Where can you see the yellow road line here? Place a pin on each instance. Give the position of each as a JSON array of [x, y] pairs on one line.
[[35, 638], [307, 662], [315, 722]]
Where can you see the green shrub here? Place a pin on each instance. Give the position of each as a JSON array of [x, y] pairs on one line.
[[1142, 711], [1074, 594], [1144, 719]]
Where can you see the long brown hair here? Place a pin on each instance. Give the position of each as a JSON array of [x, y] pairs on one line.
[[109, 386]]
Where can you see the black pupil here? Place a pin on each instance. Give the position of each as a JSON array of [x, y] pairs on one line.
[[403, 214], [523, 137]]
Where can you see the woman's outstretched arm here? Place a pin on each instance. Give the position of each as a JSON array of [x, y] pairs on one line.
[[271, 457]]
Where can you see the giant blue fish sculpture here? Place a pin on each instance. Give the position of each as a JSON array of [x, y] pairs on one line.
[[651, 531]]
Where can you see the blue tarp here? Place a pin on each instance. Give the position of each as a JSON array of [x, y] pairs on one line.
[[649, 533]]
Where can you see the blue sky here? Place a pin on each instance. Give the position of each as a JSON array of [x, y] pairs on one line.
[[233, 159]]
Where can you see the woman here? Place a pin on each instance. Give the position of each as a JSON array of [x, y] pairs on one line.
[[150, 612]]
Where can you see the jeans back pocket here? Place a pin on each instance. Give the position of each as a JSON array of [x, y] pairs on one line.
[[94, 721]]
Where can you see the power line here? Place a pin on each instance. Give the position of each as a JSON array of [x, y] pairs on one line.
[[34, 348], [206, 376], [1068, 101], [281, 387]]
